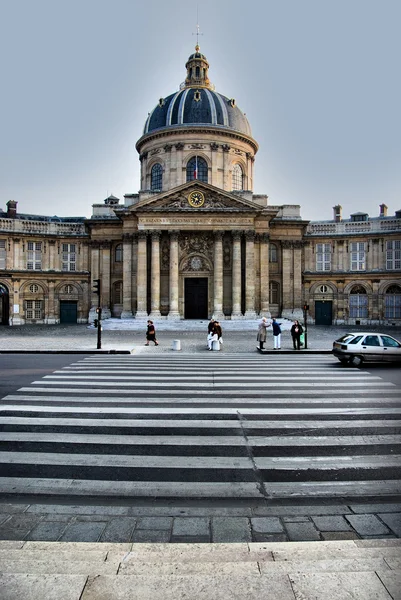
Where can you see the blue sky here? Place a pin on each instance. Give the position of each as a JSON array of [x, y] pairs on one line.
[[318, 80]]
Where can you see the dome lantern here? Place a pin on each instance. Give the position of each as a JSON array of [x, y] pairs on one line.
[[197, 70]]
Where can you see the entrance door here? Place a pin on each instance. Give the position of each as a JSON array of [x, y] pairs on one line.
[[195, 298], [68, 312], [323, 312], [4, 305]]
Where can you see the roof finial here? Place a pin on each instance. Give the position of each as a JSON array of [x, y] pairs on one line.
[[198, 33]]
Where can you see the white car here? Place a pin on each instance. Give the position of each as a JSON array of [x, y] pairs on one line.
[[356, 348]]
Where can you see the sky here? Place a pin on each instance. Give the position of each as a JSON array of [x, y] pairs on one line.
[[319, 81]]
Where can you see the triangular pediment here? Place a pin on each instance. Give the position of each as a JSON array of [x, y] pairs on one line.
[[213, 200]]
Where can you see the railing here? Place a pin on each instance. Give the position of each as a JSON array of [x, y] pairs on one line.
[[41, 227], [347, 227]]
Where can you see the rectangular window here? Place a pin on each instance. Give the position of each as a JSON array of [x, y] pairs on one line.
[[69, 257], [323, 257], [358, 306], [392, 306], [358, 258], [3, 254], [34, 261], [33, 309], [393, 255]]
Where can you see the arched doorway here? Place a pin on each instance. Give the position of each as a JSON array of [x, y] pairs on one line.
[[4, 305]]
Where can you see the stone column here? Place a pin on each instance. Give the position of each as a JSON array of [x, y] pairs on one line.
[[218, 275], [127, 277], [52, 255], [95, 274], [287, 283], [17, 256], [250, 275], [236, 276], [226, 184], [105, 265], [142, 276], [179, 174], [264, 275], [155, 275], [173, 312], [51, 316]]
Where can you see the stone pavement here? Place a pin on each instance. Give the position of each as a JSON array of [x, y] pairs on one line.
[[129, 336], [361, 570]]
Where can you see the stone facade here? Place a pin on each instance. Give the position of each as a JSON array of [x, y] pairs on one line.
[[195, 241]]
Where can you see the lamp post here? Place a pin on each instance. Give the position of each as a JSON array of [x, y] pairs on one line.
[[306, 308], [97, 291]]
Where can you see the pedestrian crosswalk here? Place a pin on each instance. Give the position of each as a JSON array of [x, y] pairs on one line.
[[214, 426]]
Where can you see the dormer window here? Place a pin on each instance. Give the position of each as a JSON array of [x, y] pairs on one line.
[[359, 217], [197, 96]]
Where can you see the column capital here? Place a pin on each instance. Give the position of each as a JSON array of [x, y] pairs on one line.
[[218, 235], [236, 235], [128, 237], [142, 235], [250, 235], [174, 233], [263, 237], [156, 234]]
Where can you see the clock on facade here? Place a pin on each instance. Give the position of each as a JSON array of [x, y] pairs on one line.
[[196, 199]]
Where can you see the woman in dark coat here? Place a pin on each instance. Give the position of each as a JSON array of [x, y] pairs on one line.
[[296, 332], [151, 334]]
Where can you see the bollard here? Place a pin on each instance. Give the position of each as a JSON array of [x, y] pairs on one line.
[[215, 345], [176, 345]]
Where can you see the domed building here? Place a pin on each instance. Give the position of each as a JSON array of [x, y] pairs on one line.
[[195, 241]]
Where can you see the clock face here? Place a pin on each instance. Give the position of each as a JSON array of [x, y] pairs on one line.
[[196, 199]]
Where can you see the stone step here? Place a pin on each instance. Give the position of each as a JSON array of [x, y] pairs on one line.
[[364, 570]]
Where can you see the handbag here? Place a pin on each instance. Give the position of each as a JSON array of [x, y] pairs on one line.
[[302, 339]]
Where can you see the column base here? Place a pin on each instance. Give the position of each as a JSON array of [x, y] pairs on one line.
[[298, 314], [127, 314], [250, 314], [155, 314], [141, 314], [173, 316], [236, 316], [218, 316]]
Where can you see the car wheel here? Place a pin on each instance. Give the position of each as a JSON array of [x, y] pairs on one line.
[[356, 361], [344, 361]]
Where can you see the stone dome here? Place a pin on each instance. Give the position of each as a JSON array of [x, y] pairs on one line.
[[197, 104], [197, 107]]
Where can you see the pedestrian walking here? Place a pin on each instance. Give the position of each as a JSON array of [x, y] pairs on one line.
[[276, 335], [262, 332], [296, 332], [151, 333]]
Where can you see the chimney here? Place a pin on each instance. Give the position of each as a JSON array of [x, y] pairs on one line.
[[12, 209], [383, 210], [337, 213]]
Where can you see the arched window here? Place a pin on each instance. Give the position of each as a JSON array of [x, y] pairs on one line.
[[274, 290], [358, 302], [197, 169], [118, 253], [237, 177], [392, 306], [272, 253], [156, 178]]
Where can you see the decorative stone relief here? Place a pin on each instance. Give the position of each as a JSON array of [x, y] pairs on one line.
[[195, 264], [165, 254], [197, 243]]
